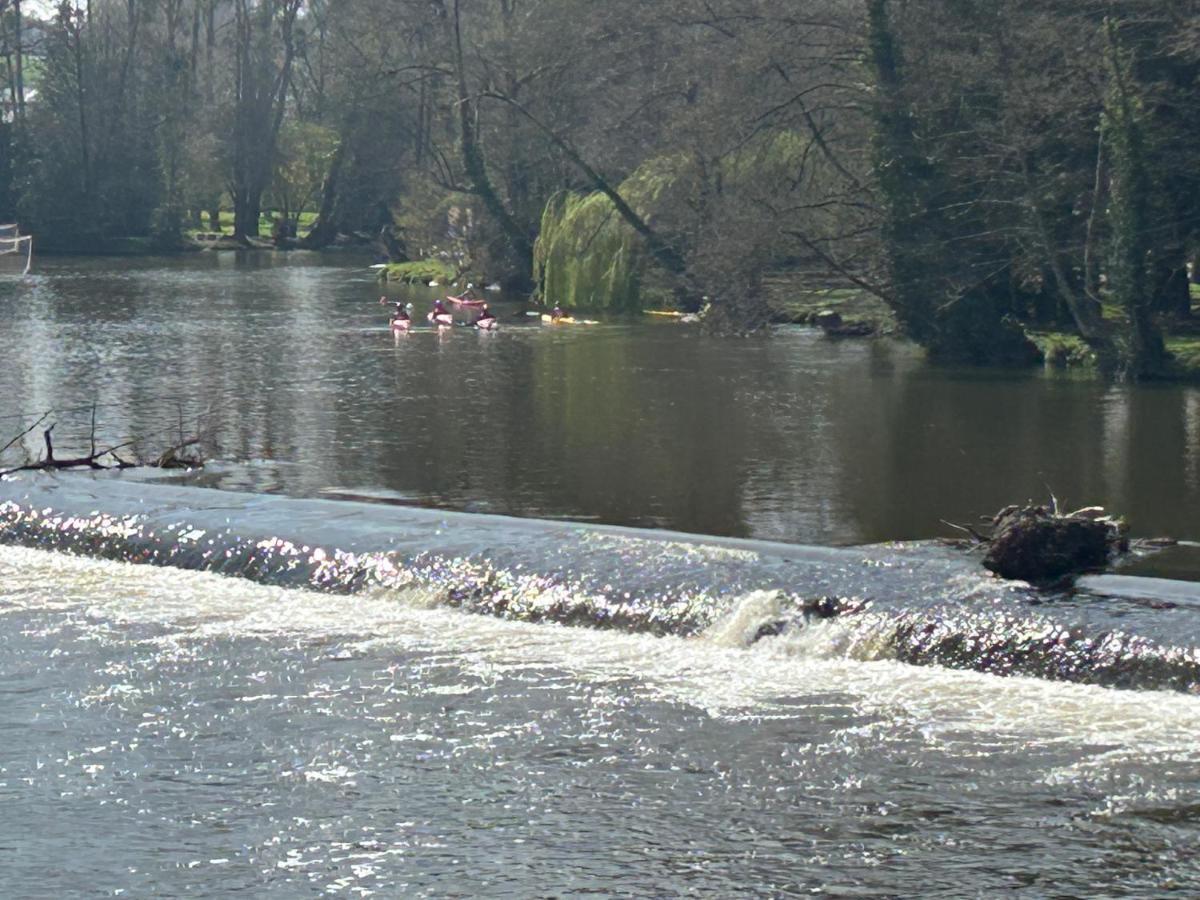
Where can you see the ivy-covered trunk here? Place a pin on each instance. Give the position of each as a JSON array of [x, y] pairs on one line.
[[1143, 354], [906, 181], [955, 319]]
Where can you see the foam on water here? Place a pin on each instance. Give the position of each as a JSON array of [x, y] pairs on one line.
[[714, 671], [914, 604]]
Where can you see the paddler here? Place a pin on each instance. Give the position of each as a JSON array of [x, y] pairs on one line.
[[401, 320], [557, 313], [486, 320], [440, 315]]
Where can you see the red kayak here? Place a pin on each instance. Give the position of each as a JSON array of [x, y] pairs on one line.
[[465, 301]]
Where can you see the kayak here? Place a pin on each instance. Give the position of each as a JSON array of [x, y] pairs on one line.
[[674, 314], [492, 324], [465, 301], [566, 320], [401, 326], [441, 320]]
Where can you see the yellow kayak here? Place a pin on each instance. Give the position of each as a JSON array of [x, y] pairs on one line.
[[673, 313], [566, 320]]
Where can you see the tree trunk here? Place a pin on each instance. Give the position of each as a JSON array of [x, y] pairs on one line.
[[1128, 212], [1173, 296], [18, 62], [325, 230], [261, 97], [475, 164], [910, 234]]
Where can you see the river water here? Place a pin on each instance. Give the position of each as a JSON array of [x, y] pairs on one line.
[[790, 437], [283, 692]]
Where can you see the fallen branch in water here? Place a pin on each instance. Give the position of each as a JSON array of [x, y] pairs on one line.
[[975, 535], [107, 457], [91, 460], [42, 418]]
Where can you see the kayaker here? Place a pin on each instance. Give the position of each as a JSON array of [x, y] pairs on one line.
[[440, 315], [401, 321], [486, 320], [557, 313]]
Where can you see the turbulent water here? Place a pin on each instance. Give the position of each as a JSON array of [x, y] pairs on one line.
[[211, 691], [172, 733]]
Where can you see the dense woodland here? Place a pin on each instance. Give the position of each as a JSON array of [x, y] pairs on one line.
[[985, 167]]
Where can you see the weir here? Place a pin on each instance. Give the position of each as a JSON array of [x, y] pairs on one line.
[[918, 603]]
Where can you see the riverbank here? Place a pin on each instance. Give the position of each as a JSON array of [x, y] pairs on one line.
[[795, 300]]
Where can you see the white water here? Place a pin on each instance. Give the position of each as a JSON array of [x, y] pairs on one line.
[[715, 672], [191, 733]]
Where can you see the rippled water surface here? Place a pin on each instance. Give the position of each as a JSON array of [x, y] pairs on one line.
[[175, 733], [791, 437], [398, 701]]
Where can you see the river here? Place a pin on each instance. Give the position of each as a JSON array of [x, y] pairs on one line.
[[329, 665], [790, 437]]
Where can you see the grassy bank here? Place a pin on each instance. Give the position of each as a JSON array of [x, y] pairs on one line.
[[265, 223], [421, 271], [793, 300]]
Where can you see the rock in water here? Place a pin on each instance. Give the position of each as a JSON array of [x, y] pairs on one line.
[[1035, 544]]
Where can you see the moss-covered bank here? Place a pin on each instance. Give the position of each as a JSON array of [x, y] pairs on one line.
[[421, 271]]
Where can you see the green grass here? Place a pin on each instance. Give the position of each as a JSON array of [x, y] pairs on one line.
[[1185, 356], [1063, 349], [801, 305], [420, 271], [265, 223]]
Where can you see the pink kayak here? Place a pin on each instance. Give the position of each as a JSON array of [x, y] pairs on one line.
[[465, 301], [401, 326], [441, 320], [489, 324]]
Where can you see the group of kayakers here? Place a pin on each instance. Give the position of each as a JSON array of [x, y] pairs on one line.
[[440, 317]]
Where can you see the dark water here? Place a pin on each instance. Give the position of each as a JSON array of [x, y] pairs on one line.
[[288, 697], [789, 437]]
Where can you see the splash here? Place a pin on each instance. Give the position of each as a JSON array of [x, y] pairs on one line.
[[900, 603]]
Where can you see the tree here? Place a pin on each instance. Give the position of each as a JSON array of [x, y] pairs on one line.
[[264, 49]]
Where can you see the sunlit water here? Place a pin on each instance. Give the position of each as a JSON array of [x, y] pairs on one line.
[[173, 733], [389, 700], [790, 437]]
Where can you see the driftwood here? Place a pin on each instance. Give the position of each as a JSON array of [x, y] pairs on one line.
[[103, 457], [1042, 545]]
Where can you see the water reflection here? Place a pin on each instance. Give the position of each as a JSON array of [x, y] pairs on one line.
[[790, 437]]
